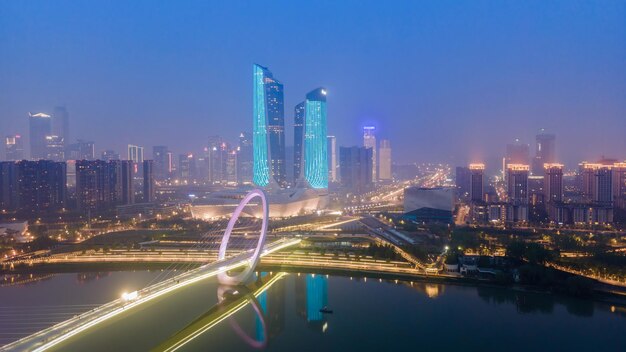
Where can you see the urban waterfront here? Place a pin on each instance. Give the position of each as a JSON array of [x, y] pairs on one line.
[[368, 314]]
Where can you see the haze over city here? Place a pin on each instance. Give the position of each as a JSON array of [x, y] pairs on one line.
[[457, 79]]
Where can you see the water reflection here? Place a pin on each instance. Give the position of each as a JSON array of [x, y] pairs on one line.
[[311, 298]]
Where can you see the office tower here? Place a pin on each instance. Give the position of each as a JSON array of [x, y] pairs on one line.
[[40, 126], [477, 182], [215, 158], [55, 148], [545, 152], [603, 186], [149, 192], [81, 150], [517, 153], [127, 168], [315, 147], [268, 129], [298, 140], [231, 167], [369, 141], [61, 123], [34, 186], [245, 158], [14, 148], [355, 167], [553, 183], [187, 167], [384, 160], [162, 162], [332, 159], [109, 155], [462, 181]]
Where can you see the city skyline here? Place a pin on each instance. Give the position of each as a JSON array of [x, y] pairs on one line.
[[471, 124]]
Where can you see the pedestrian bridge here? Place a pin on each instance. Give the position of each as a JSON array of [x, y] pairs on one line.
[[246, 260]]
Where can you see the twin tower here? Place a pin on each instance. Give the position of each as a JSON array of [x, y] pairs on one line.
[[310, 135]]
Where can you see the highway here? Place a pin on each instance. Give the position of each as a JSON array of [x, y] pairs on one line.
[[58, 333]]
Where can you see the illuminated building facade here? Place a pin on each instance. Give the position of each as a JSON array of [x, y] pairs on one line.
[[315, 140], [384, 158], [332, 159], [268, 133], [517, 191], [477, 182], [14, 148], [298, 140]]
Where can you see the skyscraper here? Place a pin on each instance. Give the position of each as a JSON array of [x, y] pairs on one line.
[[14, 148], [619, 185], [477, 182], [55, 148], [517, 153], [517, 189], [553, 183], [545, 152], [34, 186], [268, 129], [61, 123], [109, 155], [298, 140], [98, 185], [187, 167], [40, 126], [162, 162], [332, 159], [81, 150], [384, 158], [369, 141], [244, 158], [148, 181], [355, 167], [315, 155], [135, 154], [462, 181]]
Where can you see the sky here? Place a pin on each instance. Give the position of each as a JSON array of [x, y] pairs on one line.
[[449, 81]]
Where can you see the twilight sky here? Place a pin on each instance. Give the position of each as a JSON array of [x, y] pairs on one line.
[[449, 81]]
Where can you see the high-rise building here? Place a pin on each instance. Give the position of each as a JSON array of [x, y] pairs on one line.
[[298, 140], [245, 158], [462, 181], [553, 191], [61, 123], [333, 162], [231, 167], [553, 183], [55, 148], [545, 152], [619, 185], [40, 126], [355, 167], [14, 148], [315, 147], [33, 187], [477, 182], [135, 153], [268, 129], [384, 160], [162, 162], [517, 191], [369, 141], [149, 192], [517, 153], [81, 150], [98, 186], [109, 155], [187, 167], [128, 187], [215, 158]]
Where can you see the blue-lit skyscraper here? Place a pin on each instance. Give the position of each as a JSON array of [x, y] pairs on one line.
[[315, 140], [268, 129]]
